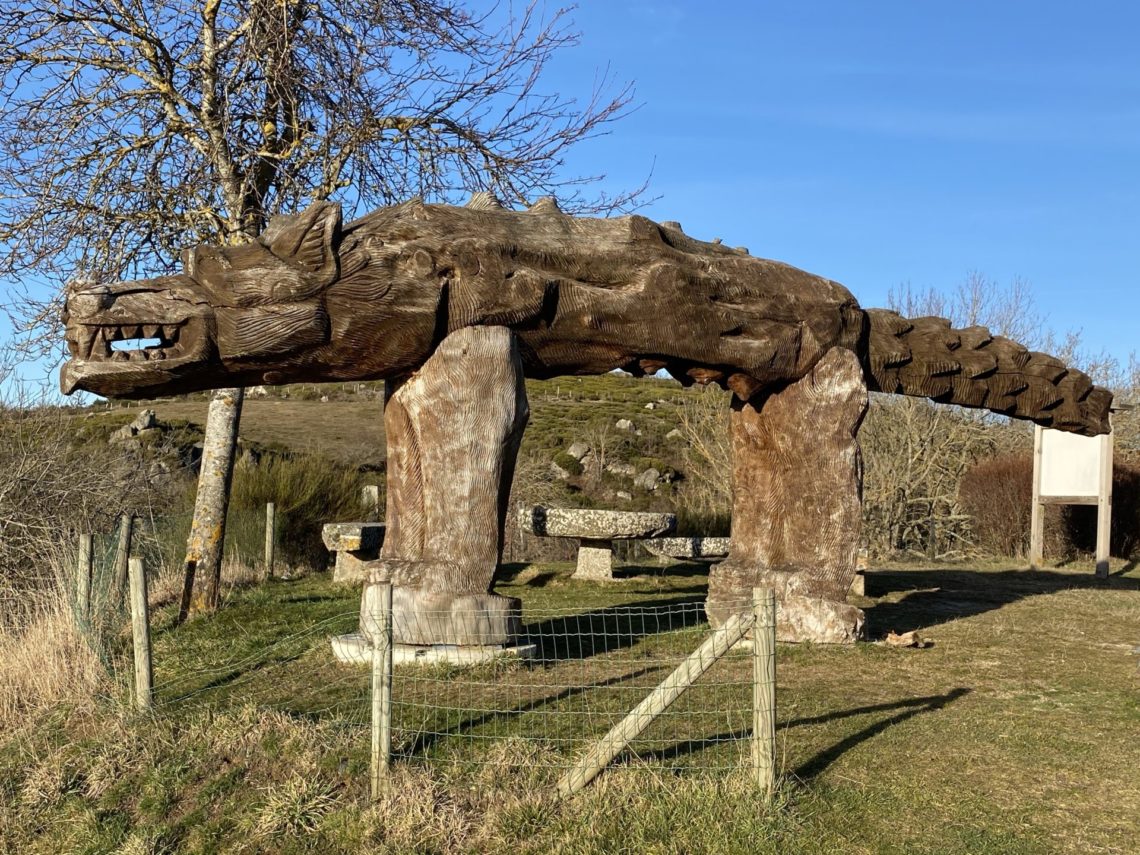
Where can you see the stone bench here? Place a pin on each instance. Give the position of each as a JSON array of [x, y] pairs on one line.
[[595, 531], [689, 548], [353, 543]]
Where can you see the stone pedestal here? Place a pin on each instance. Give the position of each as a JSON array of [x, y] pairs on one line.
[[453, 432], [595, 560], [797, 484], [353, 544]]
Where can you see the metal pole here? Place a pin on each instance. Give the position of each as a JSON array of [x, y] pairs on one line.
[[140, 632], [764, 689], [378, 601]]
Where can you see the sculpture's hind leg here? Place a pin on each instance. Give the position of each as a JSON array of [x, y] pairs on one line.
[[453, 432], [797, 503]]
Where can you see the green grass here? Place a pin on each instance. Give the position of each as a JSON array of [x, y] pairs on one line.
[[1014, 733]]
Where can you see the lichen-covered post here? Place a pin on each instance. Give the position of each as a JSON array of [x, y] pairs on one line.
[[84, 570], [122, 554]]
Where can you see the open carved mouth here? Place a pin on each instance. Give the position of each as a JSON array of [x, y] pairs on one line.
[[130, 342]]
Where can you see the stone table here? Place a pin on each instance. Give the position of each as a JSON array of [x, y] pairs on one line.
[[595, 531], [354, 543]]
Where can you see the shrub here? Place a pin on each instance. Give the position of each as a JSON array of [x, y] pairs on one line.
[[308, 490], [997, 494]]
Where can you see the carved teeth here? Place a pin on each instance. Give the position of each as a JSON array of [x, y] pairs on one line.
[[112, 333], [131, 331], [119, 356], [170, 332], [151, 330], [86, 342]]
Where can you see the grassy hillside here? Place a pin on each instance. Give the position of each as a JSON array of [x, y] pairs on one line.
[[1014, 733]]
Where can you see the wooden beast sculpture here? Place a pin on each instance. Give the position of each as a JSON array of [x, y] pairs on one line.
[[454, 306]]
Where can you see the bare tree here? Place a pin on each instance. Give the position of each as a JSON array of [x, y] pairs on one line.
[[132, 128]]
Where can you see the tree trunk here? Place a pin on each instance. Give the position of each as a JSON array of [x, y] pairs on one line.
[[208, 529]]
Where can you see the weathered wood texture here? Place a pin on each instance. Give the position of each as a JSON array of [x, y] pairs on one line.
[[453, 429], [764, 689], [312, 300], [122, 555], [84, 574], [378, 602], [140, 635], [270, 537], [796, 516]]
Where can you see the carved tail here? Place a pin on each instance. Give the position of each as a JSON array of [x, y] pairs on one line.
[[926, 358]]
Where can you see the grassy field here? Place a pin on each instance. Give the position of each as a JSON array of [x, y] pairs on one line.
[[1016, 732]]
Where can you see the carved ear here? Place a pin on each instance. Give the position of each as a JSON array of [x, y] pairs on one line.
[[308, 239]]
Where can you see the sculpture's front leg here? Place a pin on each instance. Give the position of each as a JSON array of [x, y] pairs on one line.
[[453, 433]]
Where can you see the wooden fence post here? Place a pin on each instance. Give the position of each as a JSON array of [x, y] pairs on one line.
[[122, 554], [84, 571], [140, 632], [646, 712], [764, 689], [270, 537], [378, 602]]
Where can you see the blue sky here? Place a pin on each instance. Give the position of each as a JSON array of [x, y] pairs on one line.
[[879, 143]]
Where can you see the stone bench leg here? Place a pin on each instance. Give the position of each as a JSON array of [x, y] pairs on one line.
[[595, 560], [797, 503]]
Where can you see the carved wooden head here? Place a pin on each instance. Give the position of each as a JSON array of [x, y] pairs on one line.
[[233, 313]]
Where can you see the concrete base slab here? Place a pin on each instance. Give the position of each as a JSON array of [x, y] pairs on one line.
[[354, 649]]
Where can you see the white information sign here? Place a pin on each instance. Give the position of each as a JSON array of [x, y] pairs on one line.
[[1071, 470], [1070, 465]]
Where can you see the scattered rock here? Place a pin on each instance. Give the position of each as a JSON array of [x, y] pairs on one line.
[[674, 434], [578, 450], [906, 639], [144, 421], [626, 470], [559, 472], [647, 480], [324, 399], [651, 406], [623, 424], [624, 496]]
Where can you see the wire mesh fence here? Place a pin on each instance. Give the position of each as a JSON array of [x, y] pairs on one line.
[[571, 678], [564, 681]]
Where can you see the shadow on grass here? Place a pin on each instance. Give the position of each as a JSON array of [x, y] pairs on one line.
[[612, 628], [907, 708], [935, 596]]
